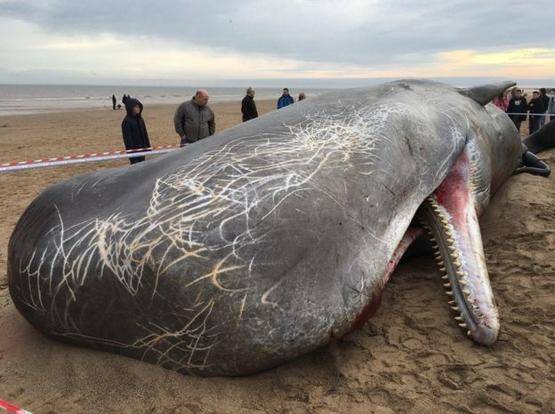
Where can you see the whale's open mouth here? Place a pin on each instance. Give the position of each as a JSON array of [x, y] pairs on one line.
[[450, 217]]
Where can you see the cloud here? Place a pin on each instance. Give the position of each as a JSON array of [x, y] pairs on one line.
[[264, 38]]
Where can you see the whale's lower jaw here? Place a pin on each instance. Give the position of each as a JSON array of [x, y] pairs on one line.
[[449, 215]]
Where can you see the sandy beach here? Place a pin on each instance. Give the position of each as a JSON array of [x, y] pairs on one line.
[[411, 357]]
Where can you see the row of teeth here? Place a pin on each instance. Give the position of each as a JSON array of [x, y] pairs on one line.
[[455, 260]]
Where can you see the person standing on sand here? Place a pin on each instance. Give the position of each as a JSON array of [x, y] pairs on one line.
[[248, 106], [285, 99], [537, 111], [133, 128], [545, 99], [114, 102], [551, 108], [193, 119], [517, 105]]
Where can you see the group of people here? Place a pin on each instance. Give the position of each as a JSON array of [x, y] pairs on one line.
[[115, 104], [248, 106], [193, 119], [540, 106]]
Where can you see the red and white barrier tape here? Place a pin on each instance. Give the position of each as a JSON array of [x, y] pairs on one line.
[[11, 409], [81, 158]]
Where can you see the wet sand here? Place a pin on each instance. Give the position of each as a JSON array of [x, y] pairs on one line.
[[411, 357]]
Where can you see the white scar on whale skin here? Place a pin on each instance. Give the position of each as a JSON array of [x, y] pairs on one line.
[[193, 218]]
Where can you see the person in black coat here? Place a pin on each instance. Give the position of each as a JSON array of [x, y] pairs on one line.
[[517, 105], [545, 99], [133, 128], [248, 106], [537, 110], [114, 102]]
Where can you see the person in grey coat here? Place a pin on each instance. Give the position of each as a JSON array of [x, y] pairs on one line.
[[194, 119]]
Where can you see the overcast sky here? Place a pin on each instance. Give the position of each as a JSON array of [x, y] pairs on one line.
[[142, 41]]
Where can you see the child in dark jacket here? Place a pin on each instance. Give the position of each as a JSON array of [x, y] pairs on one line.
[[133, 128]]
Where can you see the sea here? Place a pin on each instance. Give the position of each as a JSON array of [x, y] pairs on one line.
[[31, 99]]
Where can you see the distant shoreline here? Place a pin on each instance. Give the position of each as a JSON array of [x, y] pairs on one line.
[[37, 99], [155, 107]]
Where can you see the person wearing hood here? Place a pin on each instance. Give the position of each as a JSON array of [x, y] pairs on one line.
[[133, 128]]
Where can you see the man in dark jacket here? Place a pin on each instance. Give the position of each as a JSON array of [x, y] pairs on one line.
[[517, 105], [545, 99], [133, 128], [114, 102], [194, 119], [248, 106], [285, 99], [537, 111]]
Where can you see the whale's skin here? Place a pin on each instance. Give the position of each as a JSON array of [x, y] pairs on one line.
[[257, 245]]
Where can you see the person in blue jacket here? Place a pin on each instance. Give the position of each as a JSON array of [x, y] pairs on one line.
[[285, 99]]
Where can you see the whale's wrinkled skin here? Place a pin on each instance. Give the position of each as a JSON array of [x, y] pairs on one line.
[[264, 242]]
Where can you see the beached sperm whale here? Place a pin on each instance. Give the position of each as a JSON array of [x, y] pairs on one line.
[[264, 242]]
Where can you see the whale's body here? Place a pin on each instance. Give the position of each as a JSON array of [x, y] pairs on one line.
[[262, 243]]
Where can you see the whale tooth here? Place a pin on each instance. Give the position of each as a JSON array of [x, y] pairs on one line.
[[445, 277], [459, 318], [449, 292], [442, 268], [447, 284], [462, 325], [466, 291], [451, 302], [440, 263], [468, 333], [462, 282], [455, 308]]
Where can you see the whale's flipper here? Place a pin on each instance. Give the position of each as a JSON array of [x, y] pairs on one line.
[[485, 93], [542, 139], [531, 164], [450, 216]]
